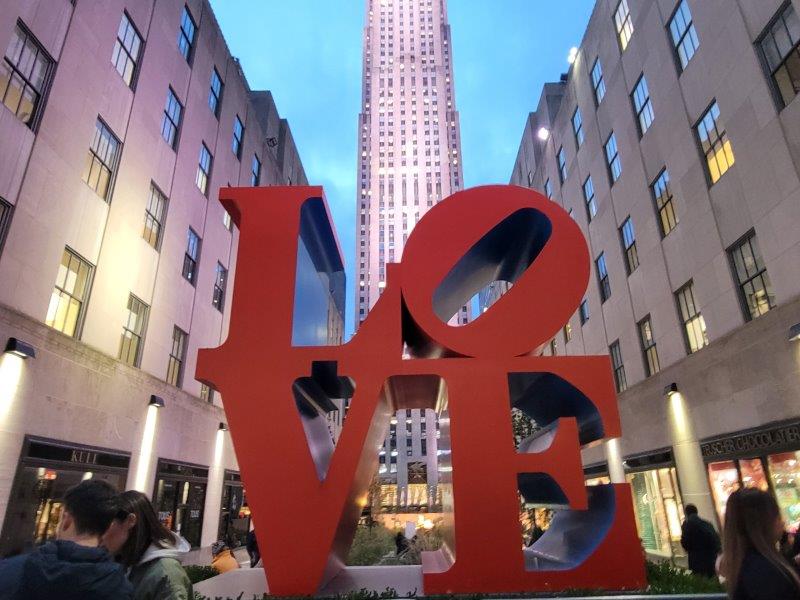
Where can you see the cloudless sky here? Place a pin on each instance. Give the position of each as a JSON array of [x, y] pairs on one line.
[[308, 53]]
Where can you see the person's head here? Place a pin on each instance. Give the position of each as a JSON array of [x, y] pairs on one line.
[[135, 528], [88, 509], [752, 522], [689, 510], [218, 547]]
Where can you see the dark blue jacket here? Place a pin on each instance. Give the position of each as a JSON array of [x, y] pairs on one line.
[[64, 571]]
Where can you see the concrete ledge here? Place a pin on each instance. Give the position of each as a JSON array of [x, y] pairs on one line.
[[252, 582]]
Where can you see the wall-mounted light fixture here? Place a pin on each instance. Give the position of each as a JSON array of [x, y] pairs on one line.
[[543, 133], [672, 388], [156, 401], [19, 348], [794, 332], [223, 427]]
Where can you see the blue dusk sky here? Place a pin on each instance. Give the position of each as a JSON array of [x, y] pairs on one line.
[[308, 53]]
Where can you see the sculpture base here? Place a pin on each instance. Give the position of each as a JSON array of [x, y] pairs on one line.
[[405, 580]]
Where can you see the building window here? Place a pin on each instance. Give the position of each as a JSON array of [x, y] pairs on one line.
[[203, 169], [255, 171], [642, 105], [618, 366], [171, 121], [191, 256], [780, 46], [684, 37], [553, 347], [133, 330], [694, 326], [755, 288], [154, 216], [215, 93], [186, 34], [598, 83], [206, 393], [583, 311], [588, 198], [567, 332], [101, 162], [227, 222], [577, 127], [628, 238], [548, 189], [24, 75], [126, 50], [5, 220], [624, 24], [612, 159], [238, 135], [602, 277], [220, 279], [649, 350], [73, 281], [562, 164], [714, 143], [177, 356], [662, 192]]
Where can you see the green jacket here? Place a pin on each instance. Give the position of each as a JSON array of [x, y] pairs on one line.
[[159, 575]]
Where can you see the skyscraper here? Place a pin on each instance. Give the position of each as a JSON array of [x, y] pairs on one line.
[[409, 159]]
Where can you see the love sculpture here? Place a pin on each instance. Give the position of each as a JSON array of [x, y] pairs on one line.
[[307, 496]]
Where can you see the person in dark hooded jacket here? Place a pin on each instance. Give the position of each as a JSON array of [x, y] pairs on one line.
[[73, 567]]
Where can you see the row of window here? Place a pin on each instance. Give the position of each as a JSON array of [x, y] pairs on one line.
[[71, 292], [753, 283], [778, 46], [26, 71]]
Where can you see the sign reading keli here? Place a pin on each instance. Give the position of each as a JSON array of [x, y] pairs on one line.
[[407, 355]]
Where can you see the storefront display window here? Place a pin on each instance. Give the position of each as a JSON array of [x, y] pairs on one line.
[[46, 472], [724, 480], [784, 470], [658, 510], [234, 519], [180, 496], [753, 475]]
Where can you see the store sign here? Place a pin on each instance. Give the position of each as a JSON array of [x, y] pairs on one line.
[[307, 496], [70, 454], [786, 437]]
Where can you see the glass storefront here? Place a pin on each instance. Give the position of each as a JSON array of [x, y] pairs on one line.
[[179, 498], [776, 473], [234, 518], [784, 470], [46, 471], [658, 511], [767, 458]]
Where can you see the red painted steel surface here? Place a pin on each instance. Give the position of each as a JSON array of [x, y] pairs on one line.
[[305, 525]]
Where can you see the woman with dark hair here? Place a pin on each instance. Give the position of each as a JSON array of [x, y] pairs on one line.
[[751, 563], [148, 550]]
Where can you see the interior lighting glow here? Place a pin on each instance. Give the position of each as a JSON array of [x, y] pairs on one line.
[[10, 375], [146, 450]]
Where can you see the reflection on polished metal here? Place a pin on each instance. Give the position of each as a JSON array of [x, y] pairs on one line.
[[277, 392]]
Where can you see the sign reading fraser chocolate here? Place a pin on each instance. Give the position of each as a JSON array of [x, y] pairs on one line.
[[307, 496]]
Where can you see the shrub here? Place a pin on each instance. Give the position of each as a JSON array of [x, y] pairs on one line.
[[370, 545], [663, 578], [198, 573]]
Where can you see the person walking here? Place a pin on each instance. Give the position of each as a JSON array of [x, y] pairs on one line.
[[148, 550], [751, 563], [74, 567], [252, 548], [223, 559], [701, 543]]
